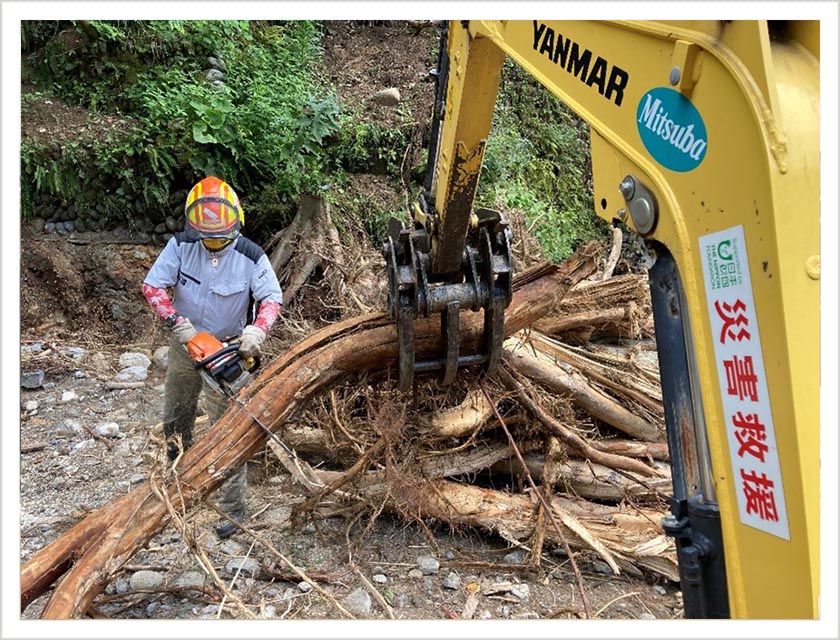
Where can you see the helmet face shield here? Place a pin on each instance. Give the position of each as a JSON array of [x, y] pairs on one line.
[[216, 244]]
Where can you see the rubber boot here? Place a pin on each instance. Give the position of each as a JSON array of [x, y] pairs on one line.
[[232, 502]]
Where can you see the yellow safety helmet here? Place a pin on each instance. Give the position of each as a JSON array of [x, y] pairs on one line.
[[213, 210]]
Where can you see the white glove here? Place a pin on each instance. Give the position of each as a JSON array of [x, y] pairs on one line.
[[184, 331], [251, 341]]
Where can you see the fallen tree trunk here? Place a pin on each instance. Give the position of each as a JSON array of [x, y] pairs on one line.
[[620, 378], [564, 379], [629, 537], [605, 294], [589, 480], [612, 322], [634, 448], [571, 439], [625, 538], [89, 553]]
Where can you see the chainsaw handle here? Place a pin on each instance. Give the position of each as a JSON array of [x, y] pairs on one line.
[[216, 356], [254, 366], [223, 352]]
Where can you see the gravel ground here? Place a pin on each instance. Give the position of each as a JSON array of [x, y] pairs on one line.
[[84, 445]]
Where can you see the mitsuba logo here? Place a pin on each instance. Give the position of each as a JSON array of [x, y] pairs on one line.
[[576, 60], [672, 129]]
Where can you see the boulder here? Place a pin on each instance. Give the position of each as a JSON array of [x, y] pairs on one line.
[[134, 359], [32, 379], [387, 97]]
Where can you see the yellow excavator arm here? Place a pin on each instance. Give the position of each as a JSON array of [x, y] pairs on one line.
[[705, 141]]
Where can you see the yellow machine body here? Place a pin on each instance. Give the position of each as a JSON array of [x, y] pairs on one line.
[[746, 166]]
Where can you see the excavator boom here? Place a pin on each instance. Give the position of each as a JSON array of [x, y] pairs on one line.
[[705, 142]]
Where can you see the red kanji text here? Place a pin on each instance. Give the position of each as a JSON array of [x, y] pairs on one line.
[[741, 380], [733, 318], [750, 434], [761, 500]]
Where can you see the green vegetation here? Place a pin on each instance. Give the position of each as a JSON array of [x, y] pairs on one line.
[[168, 102], [537, 162], [369, 147], [239, 99]]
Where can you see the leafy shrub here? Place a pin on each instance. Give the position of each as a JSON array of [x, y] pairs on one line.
[[258, 121], [369, 147], [537, 161]]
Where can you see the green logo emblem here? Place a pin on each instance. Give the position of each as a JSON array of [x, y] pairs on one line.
[[724, 250]]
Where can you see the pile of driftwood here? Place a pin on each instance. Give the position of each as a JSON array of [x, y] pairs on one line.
[[563, 446]]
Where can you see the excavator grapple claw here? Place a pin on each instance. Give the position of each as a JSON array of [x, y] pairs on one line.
[[484, 282]]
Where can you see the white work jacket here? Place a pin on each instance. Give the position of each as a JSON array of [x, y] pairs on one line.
[[215, 289]]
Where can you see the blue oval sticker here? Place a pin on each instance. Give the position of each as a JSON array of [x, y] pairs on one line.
[[672, 129]]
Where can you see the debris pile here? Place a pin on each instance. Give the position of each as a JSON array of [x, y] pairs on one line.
[[563, 446]]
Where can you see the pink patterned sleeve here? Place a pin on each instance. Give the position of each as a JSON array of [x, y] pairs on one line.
[[267, 315], [159, 301]]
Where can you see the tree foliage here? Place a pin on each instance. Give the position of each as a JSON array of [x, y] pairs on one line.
[[247, 101], [237, 99], [537, 162]]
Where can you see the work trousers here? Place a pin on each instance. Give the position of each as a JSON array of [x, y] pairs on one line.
[[181, 391]]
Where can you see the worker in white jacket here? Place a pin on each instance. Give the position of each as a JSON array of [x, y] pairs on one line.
[[217, 275]]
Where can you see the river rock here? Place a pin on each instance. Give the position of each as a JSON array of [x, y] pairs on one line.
[[134, 359], [428, 565], [161, 357], [132, 374], [452, 581], [32, 379], [190, 580], [387, 97], [145, 579], [358, 602], [108, 429], [77, 353]]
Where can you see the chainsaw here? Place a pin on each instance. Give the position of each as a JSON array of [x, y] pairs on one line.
[[220, 364], [226, 371]]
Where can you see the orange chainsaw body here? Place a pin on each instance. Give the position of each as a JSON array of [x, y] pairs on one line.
[[203, 345], [220, 364]]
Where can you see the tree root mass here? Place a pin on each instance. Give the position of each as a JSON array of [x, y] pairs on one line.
[[590, 444]]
